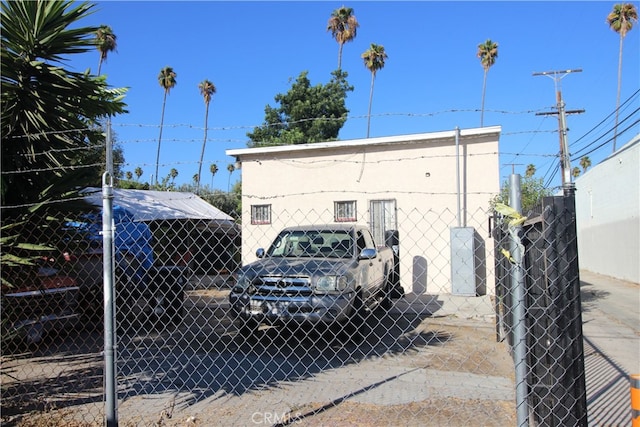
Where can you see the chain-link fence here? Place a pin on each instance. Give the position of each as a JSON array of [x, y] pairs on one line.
[[426, 355]]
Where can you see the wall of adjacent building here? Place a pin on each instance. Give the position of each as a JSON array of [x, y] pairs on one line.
[[607, 215]]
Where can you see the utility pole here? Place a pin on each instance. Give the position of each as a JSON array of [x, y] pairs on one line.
[[565, 163]]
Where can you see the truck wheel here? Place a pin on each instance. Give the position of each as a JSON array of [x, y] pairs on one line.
[[385, 294], [357, 325]]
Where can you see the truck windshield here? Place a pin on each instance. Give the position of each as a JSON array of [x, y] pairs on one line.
[[312, 244]]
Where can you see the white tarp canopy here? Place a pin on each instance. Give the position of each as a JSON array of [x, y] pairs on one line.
[[147, 205]]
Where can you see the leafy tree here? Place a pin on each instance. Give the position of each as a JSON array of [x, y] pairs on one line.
[[487, 52], [167, 80], [306, 113], [533, 190], [133, 185], [374, 60], [585, 163], [344, 27], [621, 20], [228, 202], [207, 89], [213, 168], [48, 112], [105, 42]]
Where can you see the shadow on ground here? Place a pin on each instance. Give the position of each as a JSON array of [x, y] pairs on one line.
[[202, 357]]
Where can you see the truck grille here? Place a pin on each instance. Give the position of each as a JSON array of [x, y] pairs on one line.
[[283, 286]]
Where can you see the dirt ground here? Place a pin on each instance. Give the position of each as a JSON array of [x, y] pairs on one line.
[[431, 371]]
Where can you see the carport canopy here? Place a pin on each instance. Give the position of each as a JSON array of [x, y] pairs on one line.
[[149, 205]]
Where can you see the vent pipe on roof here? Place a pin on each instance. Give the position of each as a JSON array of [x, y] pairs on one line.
[[459, 214]]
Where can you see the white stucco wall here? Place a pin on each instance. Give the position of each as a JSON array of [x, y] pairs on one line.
[[302, 182], [608, 215]]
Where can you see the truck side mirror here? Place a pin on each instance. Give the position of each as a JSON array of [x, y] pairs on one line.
[[368, 253], [260, 253]]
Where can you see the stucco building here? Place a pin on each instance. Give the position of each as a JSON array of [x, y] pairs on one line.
[[421, 185]]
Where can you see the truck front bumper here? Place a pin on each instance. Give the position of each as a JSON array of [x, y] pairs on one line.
[[312, 309]]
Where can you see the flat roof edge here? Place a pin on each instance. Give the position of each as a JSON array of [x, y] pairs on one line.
[[489, 130]]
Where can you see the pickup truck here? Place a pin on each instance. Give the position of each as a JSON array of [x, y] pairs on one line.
[[316, 274]]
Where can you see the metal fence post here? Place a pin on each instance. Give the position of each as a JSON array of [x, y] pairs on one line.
[[519, 315], [109, 302]]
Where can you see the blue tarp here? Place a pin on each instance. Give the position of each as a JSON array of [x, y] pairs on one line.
[[133, 237], [129, 236]]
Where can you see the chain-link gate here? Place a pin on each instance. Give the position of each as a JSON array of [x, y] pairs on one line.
[[555, 372], [430, 357]]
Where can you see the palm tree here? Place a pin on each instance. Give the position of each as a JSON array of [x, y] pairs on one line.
[[196, 178], [173, 173], [343, 26], [44, 103], [128, 175], [531, 170], [230, 168], [374, 60], [167, 80], [207, 89], [105, 43], [138, 172], [214, 170], [621, 20], [487, 52], [575, 172], [585, 163]]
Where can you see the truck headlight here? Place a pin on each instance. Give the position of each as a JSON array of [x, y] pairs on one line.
[[331, 283]]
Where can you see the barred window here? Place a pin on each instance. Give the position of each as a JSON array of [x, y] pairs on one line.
[[345, 211], [260, 214]]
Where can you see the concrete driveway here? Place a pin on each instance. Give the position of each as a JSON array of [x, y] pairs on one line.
[[611, 328]]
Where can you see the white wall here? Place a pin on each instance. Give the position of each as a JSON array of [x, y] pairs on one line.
[[607, 215]]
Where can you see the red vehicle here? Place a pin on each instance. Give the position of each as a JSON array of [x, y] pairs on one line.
[[41, 299]]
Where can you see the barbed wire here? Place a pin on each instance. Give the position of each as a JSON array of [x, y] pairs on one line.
[[225, 128], [182, 141], [41, 203], [348, 117], [53, 132], [253, 126], [303, 163], [52, 169]]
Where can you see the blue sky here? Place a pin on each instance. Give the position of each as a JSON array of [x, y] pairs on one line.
[[432, 80]]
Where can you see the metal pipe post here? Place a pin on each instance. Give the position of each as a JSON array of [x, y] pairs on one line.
[[519, 312], [109, 302]]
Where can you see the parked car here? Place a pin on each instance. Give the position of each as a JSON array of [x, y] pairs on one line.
[[39, 300], [317, 274]]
